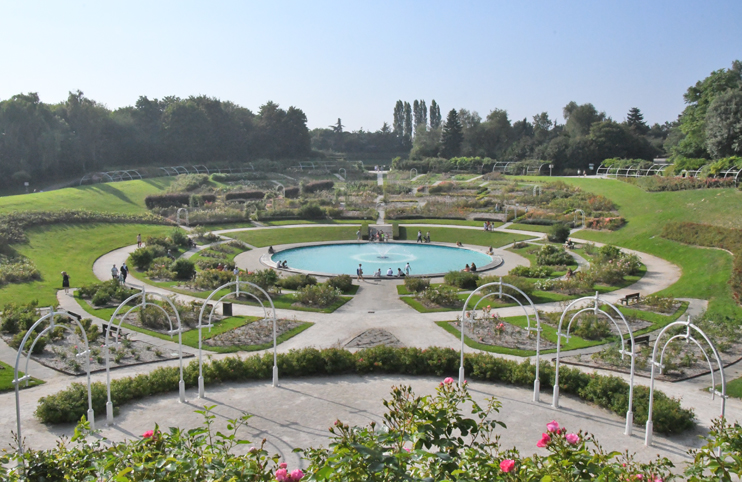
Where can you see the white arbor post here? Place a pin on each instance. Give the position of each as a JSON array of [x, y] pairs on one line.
[[595, 308], [688, 337], [500, 293], [536, 188], [269, 315], [177, 216], [26, 377], [117, 325], [574, 221], [345, 173], [411, 176]]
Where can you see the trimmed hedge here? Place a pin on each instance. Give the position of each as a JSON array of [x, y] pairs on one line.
[[291, 192], [167, 200], [318, 186], [70, 404], [245, 195]]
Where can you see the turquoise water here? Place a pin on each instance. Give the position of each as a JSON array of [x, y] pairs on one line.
[[344, 258]]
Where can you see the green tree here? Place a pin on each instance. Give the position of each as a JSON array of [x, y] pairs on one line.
[[635, 121], [435, 115], [452, 136], [398, 122], [724, 125], [579, 118], [407, 135], [426, 142]]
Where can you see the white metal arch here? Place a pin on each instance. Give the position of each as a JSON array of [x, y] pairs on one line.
[[630, 353], [26, 377], [411, 176], [112, 323], [268, 315], [281, 187], [536, 188], [345, 173], [574, 221], [200, 167], [688, 336], [177, 218], [500, 294], [178, 168]]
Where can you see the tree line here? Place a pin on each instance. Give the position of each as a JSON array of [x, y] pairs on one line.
[[43, 141]]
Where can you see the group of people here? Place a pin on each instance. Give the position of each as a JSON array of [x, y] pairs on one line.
[[472, 268], [421, 238], [282, 264], [488, 226], [389, 272], [117, 274], [375, 236]]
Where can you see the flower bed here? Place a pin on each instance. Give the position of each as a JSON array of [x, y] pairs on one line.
[[493, 331], [256, 333]]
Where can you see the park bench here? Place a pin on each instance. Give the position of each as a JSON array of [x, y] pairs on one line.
[[627, 299]]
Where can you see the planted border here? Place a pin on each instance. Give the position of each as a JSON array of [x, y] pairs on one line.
[[609, 392]]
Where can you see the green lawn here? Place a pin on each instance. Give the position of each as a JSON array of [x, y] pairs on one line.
[[6, 378], [71, 248], [530, 227], [289, 222], [222, 226], [121, 197], [472, 237], [705, 272], [734, 388], [190, 337], [275, 237], [450, 222]]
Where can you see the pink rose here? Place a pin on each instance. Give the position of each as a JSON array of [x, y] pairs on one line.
[[507, 465], [282, 475], [572, 438], [406, 449], [448, 380], [148, 434], [296, 475], [282, 465], [552, 426], [545, 439], [639, 476]]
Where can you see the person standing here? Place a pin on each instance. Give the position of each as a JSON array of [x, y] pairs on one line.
[[358, 235], [114, 273], [66, 282], [419, 236], [359, 272], [139, 240], [407, 269], [427, 237], [124, 272]]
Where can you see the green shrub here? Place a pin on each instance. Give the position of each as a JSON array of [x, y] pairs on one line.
[[210, 279], [178, 237], [317, 295], [296, 281], [591, 327], [106, 291], [461, 279], [522, 284], [558, 233], [17, 269], [311, 211], [17, 317], [141, 258], [38, 348], [263, 278], [532, 272], [342, 282], [550, 255], [416, 285], [184, 269]]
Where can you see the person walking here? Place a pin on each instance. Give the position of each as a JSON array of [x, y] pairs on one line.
[[66, 282], [407, 269], [427, 237], [419, 236], [124, 272], [114, 273], [139, 240], [359, 272], [358, 235]]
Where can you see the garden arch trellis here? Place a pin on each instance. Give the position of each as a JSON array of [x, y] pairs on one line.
[[26, 377], [268, 316], [624, 352], [345, 173], [500, 293], [177, 216], [687, 336], [411, 176], [113, 324], [536, 188], [574, 220]]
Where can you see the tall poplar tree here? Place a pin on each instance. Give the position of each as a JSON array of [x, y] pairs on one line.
[[423, 114], [435, 115], [453, 135], [407, 122], [398, 123]]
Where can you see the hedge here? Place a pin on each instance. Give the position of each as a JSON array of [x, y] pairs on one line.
[[167, 200], [318, 186], [395, 230], [13, 225], [364, 231], [245, 195], [609, 392], [712, 237], [291, 192]]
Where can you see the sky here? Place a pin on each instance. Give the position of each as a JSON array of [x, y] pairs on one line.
[[353, 60]]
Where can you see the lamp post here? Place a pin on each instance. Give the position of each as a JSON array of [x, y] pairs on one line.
[[551, 166]]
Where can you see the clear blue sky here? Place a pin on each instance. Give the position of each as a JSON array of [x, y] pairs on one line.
[[353, 59]]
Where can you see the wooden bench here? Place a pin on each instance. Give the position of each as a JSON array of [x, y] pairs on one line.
[[641, 340], [627, 299]]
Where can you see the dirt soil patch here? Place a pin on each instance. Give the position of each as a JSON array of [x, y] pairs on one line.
[[489, 332], [256, 333]]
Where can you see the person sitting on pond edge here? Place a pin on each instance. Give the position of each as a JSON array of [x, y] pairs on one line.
[[390, 272], [473, 268], [459, 245], [271, 250], [467, 269], [400, 274]]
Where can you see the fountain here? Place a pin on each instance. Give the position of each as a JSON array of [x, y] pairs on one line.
[[382, 250]]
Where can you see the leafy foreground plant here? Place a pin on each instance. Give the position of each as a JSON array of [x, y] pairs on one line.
[[428, 438]]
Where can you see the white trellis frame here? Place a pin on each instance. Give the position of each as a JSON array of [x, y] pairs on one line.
[[500, 293], [26, 377], [536, 188], [113, 324], [177, 216], [345, 173], [411, 176], [687, 336], [515, 209], [574, 221], [597, 302], [269, 315]]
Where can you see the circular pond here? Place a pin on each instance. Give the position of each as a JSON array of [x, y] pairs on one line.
[[424, 259]]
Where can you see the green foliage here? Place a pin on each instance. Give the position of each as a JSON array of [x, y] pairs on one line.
[[178, 238], [559, 233], [591, 327], [17, 317], [522, 284], [17, 269], [183, 268], [461, 279], [659, 184], [550, 255], [343, 282], [106, 291], [209, 279], [142, 257], [440, 295], [416, 285], [264, 278], [720, 456], [38, 348], [532, 272], [311, 211], [188, 182], [296, 281], [318, 295]]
